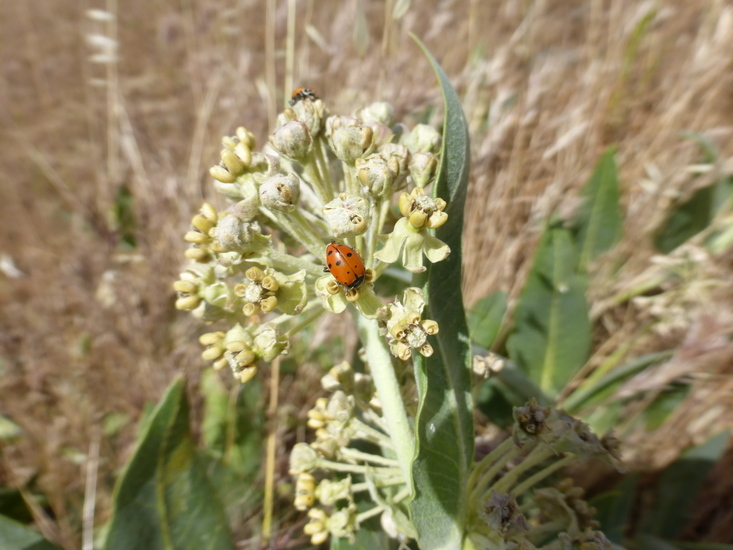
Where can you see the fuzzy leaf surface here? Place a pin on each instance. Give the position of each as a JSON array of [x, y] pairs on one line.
[[444, 423], [164, 499]]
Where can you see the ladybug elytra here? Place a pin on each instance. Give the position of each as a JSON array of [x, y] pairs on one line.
[[302, 93], [345, 265]]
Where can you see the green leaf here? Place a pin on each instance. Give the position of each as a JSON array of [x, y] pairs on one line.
[[678, 485], [598, 221], [694, 215], [122, 217], [444, 422], [233, 422], [552, 334], [15, 536], [663, 405], [589, 394], [484, 319], [365, 539], [164, 500], [613, 508], [13, 506]]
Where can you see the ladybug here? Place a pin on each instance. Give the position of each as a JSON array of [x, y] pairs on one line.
[[345, 265], [300, 94]]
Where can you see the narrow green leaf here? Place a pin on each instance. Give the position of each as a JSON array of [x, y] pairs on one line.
[[687, 220], [122, 217], [588, 394], [598, 221], [664, 404], [552, 337], [678, 485], [16, 536], [444, 422], [613, 508], [164, 500], [484, 319], [694, 215]]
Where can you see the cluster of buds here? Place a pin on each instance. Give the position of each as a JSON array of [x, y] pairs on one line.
[[258, 263], [544, 441], [326, 469]]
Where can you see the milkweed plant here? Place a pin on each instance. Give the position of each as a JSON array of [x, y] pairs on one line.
[[394, 440]]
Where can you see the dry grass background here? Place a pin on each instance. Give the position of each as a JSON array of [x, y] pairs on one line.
[[89, 330]]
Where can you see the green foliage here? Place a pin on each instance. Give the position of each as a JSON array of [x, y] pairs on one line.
[[552, 333], [551, 340], [674, 498], [614, 508], [232, 427], [592, 393], [15, 536], [123, 219], [445, 423], [673, 501], [164, 499], [598, 221], [485, 318], [690, 217], [13, 506]]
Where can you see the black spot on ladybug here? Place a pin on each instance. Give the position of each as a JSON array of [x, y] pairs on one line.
[[339, 262]]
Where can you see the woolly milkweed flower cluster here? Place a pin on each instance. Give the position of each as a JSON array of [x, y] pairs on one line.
[[259, 264], [259, 267]]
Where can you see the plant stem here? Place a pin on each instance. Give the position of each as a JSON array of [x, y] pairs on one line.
[[380, 363], [535, 457], [486, 478], [542, 474]]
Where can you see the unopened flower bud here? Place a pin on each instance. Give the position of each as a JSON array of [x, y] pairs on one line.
[[292, 140], [220, 173], [244, 153], [422, 168], [348, 139], [246, 137], [379, 111], [280, 192], [232, 162], [312, 114], [375, 175], [303, 459], [347, 215], [423, 139]]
